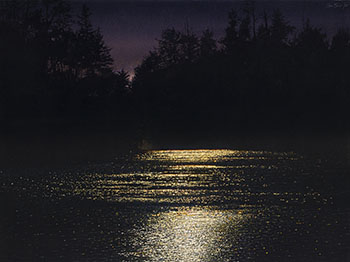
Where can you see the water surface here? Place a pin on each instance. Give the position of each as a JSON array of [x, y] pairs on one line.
[[178, 205]]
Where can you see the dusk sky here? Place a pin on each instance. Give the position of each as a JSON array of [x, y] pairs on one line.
[[131, 28]]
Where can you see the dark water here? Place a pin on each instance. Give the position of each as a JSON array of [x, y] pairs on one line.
[[179, 205]]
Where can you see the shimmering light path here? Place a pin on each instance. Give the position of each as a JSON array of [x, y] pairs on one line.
[[186, 177], [182, 205], [188, 234]]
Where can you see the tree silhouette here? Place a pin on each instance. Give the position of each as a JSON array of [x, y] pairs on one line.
[[208, 46], [244, 31], [62, 64], [169, 47], [189, 46], [122, 81], [311, 38], [92, 54], [264, 79], [264, 32], [231, 33], [280, 29], [261, 78], [341, 40]]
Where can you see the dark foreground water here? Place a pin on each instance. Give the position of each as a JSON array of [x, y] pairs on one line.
[[179, 205]]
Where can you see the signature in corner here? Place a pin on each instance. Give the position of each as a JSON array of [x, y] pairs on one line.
[[339, 4]]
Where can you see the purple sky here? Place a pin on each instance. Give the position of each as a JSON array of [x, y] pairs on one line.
[[131, 28]]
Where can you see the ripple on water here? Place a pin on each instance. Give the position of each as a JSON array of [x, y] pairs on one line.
[[184, 205]]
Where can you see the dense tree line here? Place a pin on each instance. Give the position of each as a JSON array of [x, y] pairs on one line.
[[54, 63], [262, 74]]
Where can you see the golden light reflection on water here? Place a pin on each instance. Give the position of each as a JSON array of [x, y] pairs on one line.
[[191, 205], [206, 155], [179, 176], [188, 234]]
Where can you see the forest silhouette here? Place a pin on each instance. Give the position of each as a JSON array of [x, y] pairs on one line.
[[263, 75]]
